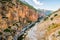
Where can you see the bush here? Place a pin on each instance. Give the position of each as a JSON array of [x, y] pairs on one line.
[[6, 30], [20, 37], [45, 18], [0, 33], [55, 15], [7, 0], [52, 23], [52, 26], [9, 27], [59, 32], [51, 18]]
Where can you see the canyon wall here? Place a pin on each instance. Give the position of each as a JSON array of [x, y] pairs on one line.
[[14, 13]]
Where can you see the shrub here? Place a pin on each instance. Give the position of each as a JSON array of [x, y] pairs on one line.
[[52, 23], [45, 18], [9, 27], [51, 18], [7, 0], [0, 33], [25, 3], [59, 32], [6, 30], [52, 26], [55, 15], [20, 37]]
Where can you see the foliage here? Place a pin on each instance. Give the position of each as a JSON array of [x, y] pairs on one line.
[[9, 27], [6, 0], [55, 15], [52, 26], [20, 37], [45, 18], [59, 32], [7, 30], [0, 33], [51, 19]]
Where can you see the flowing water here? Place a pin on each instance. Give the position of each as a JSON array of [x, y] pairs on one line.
[[35, 34]]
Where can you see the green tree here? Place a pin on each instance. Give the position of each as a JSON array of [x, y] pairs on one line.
[[7, 30]]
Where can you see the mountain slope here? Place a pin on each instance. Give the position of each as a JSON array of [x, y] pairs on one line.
[[47, 29]]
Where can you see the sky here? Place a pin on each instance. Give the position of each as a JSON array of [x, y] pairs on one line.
[[45, 4]]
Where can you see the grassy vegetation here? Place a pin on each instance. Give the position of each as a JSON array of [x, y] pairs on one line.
[[59, 32], [7, 30], [55, 15], [52, 26]]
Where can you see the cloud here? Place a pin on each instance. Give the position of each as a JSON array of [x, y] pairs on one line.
[[38, 3]]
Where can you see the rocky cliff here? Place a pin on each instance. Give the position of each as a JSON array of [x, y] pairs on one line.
[[14, 15], [13, 11]]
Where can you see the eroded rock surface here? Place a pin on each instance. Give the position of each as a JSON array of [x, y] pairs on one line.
[[14, 16]]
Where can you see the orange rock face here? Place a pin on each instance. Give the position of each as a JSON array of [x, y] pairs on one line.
[[15, 12]]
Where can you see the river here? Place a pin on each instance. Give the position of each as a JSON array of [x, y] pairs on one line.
[[36, 32]]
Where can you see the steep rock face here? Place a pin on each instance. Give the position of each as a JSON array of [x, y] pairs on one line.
[[12, 12], [14, 16]]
